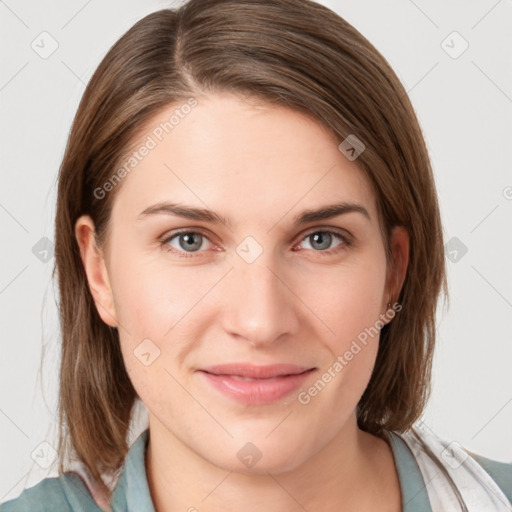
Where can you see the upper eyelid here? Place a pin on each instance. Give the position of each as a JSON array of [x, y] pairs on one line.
[[337, 231]]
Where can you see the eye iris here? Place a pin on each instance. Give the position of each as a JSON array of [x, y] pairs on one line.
[[189, 241], [321, 237]]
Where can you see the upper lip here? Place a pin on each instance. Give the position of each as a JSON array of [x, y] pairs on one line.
[[254, 371]]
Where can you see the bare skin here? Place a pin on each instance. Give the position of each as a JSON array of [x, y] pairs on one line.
[[259, 166]]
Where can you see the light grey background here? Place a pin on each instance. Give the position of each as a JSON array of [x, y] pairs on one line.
[[463, 103]]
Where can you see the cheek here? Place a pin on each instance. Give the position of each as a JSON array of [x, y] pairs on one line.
[[351, 308], [347, 299], [157, 304], [152, 295], [149, 302], [349, 304]]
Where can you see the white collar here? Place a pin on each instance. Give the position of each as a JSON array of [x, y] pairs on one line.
[[455, 481]]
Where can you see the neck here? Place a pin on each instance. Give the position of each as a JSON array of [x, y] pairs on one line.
[[354, 471]]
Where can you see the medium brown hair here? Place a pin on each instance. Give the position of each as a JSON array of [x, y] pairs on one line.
[[292, 53]]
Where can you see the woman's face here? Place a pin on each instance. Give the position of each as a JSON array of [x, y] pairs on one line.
[[263, 289]]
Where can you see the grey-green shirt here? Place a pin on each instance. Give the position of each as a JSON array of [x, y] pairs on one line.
[[68, 492]]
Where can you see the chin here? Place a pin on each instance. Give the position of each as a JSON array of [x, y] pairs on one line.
[[260, 454]]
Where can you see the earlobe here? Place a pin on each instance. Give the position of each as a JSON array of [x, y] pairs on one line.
[[399, 244], [397, 269], [96, 270]]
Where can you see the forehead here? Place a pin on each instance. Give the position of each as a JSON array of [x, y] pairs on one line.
[[241, 156]]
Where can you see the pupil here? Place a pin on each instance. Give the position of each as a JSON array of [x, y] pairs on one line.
[[318, 238], [189, 241]]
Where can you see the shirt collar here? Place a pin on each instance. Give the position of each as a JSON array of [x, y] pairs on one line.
[[412, 486], [132, 490]]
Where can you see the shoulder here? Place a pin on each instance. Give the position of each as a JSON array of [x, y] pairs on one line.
[[46, 495], [65, 493], [420, 438], [500, 472]]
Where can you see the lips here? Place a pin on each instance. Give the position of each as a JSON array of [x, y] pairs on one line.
[[253, 384], [256, 372]]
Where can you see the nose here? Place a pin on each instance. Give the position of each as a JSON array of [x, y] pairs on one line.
[[259, 306]]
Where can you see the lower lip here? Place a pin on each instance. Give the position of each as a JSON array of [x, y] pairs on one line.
[[257, 391]]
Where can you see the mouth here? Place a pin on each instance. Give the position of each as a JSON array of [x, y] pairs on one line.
[[256, 385]]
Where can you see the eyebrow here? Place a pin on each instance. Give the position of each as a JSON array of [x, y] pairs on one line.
[[201, 214]]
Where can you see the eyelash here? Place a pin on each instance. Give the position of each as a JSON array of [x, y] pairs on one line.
[[346, 242]]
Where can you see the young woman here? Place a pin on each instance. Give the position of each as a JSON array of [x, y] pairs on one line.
[[248, 243]]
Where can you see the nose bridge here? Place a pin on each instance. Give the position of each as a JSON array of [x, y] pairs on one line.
[[258, 306]]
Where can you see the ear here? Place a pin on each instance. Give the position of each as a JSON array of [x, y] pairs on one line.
[[399, 246], [96, 270]]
